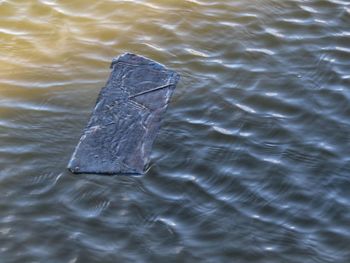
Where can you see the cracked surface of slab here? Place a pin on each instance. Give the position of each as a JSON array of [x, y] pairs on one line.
[[125, 121]]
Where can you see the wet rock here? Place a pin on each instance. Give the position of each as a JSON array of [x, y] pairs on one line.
[[125, 121]]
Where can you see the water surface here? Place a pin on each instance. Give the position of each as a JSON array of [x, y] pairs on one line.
[[252, 163]]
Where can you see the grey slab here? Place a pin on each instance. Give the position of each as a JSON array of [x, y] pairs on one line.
[[125, 121]]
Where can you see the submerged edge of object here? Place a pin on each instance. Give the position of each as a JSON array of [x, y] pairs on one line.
[[124, 123]]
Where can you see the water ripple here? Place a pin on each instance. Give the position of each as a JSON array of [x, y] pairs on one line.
[[251, 162]]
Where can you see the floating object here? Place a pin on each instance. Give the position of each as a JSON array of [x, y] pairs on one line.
[[125, 121]]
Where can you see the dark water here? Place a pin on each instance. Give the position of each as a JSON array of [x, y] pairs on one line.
[[252, 163]]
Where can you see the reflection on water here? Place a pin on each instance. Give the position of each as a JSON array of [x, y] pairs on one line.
[[252, 163]]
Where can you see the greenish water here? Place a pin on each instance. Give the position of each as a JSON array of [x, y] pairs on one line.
[[252, 163]]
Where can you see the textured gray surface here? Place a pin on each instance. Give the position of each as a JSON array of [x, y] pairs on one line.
[[125, 121]]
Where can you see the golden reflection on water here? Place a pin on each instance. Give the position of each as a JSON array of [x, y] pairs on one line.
[[71, 33], [54, 46], [50, 42]]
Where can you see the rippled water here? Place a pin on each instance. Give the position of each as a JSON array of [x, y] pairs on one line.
[[253, 160]]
